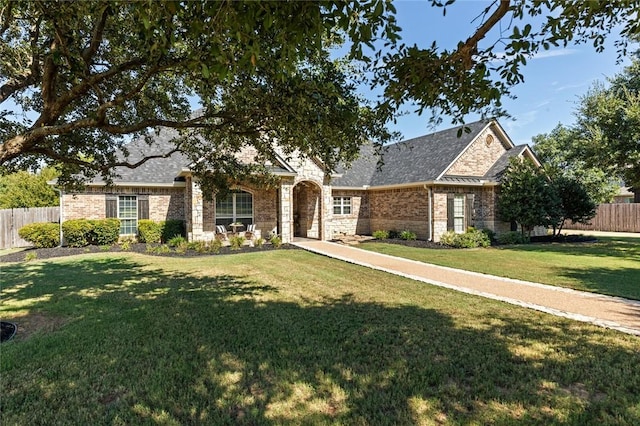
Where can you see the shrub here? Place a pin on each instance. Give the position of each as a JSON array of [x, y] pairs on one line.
[[41, 235], [513, 237], [214, 246], [30, 256], [393, 234], [182, 247], [104, 231], [380, 235], [77, 232], [172, 228], [408, 235], [276, 241], [259, 242], [125, 244], [471, 239], [176, 241], [490, 234], [236, 242], [149, 231], [198, 246]]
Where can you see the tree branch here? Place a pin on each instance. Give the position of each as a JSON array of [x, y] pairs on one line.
[[469, 48], [96, 37]]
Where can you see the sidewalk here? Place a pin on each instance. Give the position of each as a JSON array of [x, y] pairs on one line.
[[605, 311]]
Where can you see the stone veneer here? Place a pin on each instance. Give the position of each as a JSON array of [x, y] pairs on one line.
[[358, 222], [164, 203]]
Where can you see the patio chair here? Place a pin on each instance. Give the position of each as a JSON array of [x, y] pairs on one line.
[[221, 233], [250, 233]]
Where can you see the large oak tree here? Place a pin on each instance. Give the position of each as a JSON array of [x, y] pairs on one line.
[[78, 79]]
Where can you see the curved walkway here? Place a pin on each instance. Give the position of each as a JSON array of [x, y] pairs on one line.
[[605, 311]]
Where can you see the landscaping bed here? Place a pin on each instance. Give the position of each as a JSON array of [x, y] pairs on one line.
[[151, 249]]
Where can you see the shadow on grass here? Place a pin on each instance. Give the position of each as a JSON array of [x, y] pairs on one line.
[[628, 248], [149, 346], [620, 282]]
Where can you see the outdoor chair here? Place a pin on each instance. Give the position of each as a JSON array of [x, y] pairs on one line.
[[250, 233], [221, 233]]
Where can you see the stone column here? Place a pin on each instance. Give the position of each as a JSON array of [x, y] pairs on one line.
[[196, 212], [285, 210]]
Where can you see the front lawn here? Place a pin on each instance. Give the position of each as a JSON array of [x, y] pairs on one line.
[[288, 337], [610, 266]]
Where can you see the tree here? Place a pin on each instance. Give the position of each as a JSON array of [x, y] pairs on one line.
[[576, 204], [86, 76], [560, 153], [527, 197], [23, 189], [608, 121]]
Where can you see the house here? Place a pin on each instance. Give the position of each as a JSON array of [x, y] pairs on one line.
[[427, 185]]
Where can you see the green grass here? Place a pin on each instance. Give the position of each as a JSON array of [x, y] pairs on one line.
[[610, 266], [287, 337]]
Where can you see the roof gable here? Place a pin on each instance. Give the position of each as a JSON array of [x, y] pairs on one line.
[[421, 159]]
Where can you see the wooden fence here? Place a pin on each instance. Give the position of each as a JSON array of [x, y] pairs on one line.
[[622, 217], [11, 220]]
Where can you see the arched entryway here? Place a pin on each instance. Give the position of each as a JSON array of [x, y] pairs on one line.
[[307, 210]]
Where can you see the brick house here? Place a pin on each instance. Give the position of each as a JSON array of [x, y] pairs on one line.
[[427, 185]]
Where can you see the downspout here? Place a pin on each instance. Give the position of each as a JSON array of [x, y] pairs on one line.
[[61, 209]]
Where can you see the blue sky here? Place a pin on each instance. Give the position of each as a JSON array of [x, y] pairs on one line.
[[554, 80]]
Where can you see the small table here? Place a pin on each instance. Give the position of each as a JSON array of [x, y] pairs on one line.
[[235, 227]]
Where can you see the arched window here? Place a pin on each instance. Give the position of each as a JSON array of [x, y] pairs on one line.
[[236, 206]]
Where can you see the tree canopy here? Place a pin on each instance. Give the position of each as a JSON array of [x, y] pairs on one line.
[[560, 151], [78, 79], [608, 124], [23, 189]]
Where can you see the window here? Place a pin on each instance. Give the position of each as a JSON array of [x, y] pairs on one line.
[[128, 214], [341, 205], [458, 214], [234, 207]]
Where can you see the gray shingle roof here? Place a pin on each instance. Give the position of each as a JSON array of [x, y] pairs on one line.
[[498, 168], [421, 159], [161, 170], [155, 171]]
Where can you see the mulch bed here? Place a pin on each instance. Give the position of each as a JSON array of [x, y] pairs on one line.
[[48, 253]]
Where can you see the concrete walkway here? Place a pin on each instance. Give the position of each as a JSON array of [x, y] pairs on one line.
[[605, 311]]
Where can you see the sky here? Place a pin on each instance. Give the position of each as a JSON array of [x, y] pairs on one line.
[[553, 81]]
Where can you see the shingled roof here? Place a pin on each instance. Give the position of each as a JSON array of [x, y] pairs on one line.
[[421, 159], [155, 171]]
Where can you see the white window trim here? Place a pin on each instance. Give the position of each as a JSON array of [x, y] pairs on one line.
[[135, 199], [234, 216], [462, 198], [342, 204]]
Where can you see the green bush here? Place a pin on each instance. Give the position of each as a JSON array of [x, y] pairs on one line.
[[236, 242], [489, 233], [513, 237], [276, 241], [176, 241], [259, 242], [104, 232], [149, 231], [214, 246], [77, 232], [408, 235], [172, 228], [471, 239], [41, 235], [380, 235]]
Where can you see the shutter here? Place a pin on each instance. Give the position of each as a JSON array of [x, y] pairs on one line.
[[111, 206], [469, 215], [143, 209], [450, 198]]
